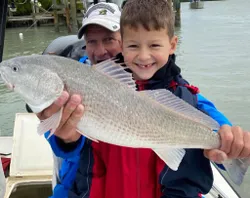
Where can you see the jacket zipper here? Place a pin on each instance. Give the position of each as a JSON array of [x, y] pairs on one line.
[[138, 173], [140, 88]]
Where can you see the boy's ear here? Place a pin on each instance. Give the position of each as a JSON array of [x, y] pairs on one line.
[[173, 42]]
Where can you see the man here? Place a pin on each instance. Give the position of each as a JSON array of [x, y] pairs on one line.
[[103, 41]]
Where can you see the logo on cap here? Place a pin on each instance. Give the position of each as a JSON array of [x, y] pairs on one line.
[[104, 7], [103, 12]]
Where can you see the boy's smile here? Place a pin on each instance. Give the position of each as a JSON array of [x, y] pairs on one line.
[[145, 52], [145, 66]]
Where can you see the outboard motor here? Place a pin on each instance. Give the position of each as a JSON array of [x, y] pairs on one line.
[[67, 46]]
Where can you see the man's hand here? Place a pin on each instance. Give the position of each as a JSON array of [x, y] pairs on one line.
[[235, 144], [72, 113]]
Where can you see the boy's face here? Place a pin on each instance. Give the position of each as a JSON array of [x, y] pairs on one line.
[[145, 52]]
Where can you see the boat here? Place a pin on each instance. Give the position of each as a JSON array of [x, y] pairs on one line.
[[196, 4], [31, 166]]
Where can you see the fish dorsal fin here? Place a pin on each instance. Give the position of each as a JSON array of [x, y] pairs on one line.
[[116, 71], [174, 103]]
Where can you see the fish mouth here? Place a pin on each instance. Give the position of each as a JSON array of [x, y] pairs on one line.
[[8, 84]]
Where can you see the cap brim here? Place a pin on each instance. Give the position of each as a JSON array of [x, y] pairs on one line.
[[106, 23]]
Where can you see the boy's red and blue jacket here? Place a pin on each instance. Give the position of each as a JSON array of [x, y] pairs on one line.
[[101, 170]]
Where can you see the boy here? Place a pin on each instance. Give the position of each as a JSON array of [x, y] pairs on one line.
[[111, 171]]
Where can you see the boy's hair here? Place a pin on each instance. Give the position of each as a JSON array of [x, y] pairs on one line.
[[151, 14]]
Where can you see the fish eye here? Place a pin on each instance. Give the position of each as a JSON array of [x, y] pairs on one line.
[[15, 69]]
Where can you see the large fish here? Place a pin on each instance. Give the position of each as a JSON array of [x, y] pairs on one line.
[[114, 111]]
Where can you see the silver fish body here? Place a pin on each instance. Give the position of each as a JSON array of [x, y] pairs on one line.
[[114, 112]]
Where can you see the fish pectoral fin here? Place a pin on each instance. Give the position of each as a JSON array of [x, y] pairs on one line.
[[176, 104], [237, 169], [93, 139], [116, 71], [50, 124], [171, 156]]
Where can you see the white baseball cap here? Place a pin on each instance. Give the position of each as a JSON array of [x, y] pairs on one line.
[[104, 14]]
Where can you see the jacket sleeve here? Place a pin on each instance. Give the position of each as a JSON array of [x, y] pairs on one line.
[[212, 111], [209, 107], [65, 150]]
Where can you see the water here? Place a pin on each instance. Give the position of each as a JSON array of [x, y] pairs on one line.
[[34, 41], [213, 52]]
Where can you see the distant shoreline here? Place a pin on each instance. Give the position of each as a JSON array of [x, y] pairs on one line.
[[15, 24]]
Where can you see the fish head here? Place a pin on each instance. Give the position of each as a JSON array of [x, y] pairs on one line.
[[37, 85]]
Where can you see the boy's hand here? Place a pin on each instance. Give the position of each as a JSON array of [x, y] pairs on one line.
[[72, 113], [235, 143]]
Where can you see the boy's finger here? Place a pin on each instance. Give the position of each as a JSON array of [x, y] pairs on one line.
[[238, 142], [245, 153], [227, 138], [215, 155]]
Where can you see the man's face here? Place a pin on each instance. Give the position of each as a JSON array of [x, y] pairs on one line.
[[101, 43]]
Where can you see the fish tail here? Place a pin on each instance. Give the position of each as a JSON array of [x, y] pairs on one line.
[[237, 169]]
